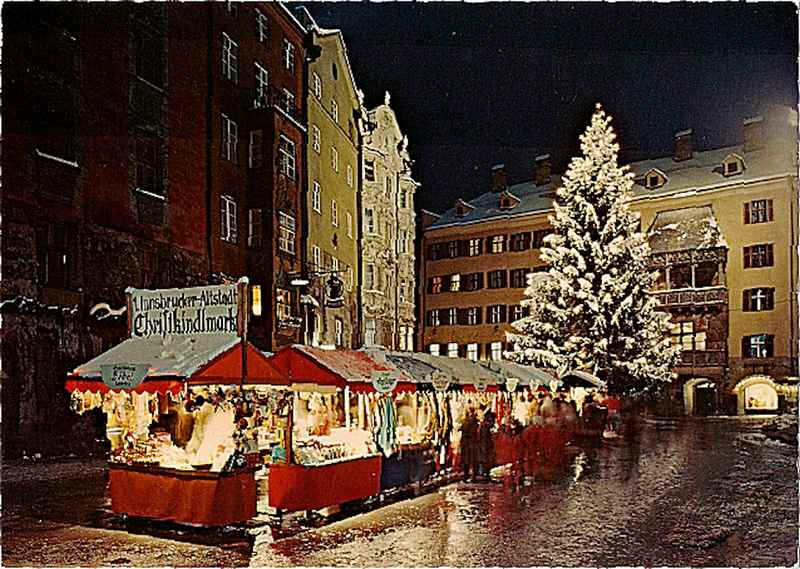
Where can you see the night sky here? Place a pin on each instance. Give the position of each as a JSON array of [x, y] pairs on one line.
[[479, 84]]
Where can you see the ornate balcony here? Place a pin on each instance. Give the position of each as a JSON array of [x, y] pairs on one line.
[[704, 358], [692, 296], [274, 98]]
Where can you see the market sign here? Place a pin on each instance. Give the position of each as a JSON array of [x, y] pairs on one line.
[[512, 383], [123, 376], [384, 381], [440, 380], [481, 383], [184, 311]]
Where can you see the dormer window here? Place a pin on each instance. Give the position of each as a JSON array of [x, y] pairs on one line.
[[463, 208], [508, 200], [654, 178], [732, 165]]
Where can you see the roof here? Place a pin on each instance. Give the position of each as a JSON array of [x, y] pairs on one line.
[[701, 172], [171, 356], [347, 365], [577, 378], [409, 363], [527, 375], [683, 229], [462, 370]]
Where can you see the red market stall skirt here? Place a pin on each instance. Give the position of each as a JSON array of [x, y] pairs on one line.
[[191, 497], [294, 487]]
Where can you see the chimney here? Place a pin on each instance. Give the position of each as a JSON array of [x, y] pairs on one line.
[[753, 130], [499, 182], [683, 145], [541, 171]]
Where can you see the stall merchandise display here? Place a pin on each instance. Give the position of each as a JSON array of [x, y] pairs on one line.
[[341, 443]]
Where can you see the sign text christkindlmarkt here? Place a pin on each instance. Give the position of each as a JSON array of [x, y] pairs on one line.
[[185, 311]]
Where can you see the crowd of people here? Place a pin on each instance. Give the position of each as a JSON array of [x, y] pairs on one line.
[[539, 430]]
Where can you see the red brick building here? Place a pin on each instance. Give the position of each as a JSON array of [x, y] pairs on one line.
[[150, 145]]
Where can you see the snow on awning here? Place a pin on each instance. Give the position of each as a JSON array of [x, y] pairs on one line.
[[463, 371], [527, 375], [171, 361], [685, 229], [577, 378]]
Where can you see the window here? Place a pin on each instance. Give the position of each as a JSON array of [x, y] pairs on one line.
[[334, 71], [232, 8], [388, 185], [497, 279], [433, 317], [538, 238], [262, 26], [334, 264], [474, 247], [472, 352], [369, 170], [496, 314], [228, 229], [254, 227], [498, 243], [230, 140], [474, 315], [758, 346], [286, 157], [149, 53], [262, 86], [334, 213], [349, 175], [520, 241], [287, 102], [316, 139], [455, 283], [316, 258], [653, 181], [452, 249], [349, 224], [401, 291], [369, 277], [519, 278], [316, 197], [317, 86], [286, 232], [515, 312], [148, 164], [758, 256], [473, 282], [452, 316], [55, 244], [255, 158], [334, 159], [758, 211], [369, 332], [433, 349], [288, 55], [685, 334], [403, 198], [402, 242], [335, 110], [758, 299], [369, 220], [452, 350], [732, 167], [283, 304], [410, 338], [435, 285], [496, 350], [230, 58]]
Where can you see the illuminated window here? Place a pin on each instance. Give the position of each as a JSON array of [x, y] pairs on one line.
[[758, 299], [286, 232], [758, 346], [455, 283], [472, 352], [496, 350], [433, 349], [452, 350], [474, 247], [228, 218], [498, 243]]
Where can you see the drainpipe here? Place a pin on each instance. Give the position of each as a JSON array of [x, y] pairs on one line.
[[209, 130]]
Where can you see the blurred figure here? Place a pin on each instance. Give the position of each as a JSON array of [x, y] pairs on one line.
[[469, 443], [486, 452], [613, 405]]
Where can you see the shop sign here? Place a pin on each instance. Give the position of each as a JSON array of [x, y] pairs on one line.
[[384, 381], [184, 311], [440, 380], [512, 383], [481, 383], [123, 376]]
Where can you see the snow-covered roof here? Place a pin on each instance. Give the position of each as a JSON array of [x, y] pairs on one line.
[[577, 378], [173, 356], [684, 229], [527, 375], [412, 365], [464, 371], [350, 365]]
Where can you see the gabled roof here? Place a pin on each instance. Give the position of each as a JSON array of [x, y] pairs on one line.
[[684, 229]]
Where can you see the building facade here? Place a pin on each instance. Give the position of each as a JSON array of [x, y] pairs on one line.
[[388, 233], [722, 225], [332, 154], [149, 146]]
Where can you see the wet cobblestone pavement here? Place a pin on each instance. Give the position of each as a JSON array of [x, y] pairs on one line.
[[708, 492]]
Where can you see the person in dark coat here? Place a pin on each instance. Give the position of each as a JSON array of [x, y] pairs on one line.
[[486, 453], [469, 444]]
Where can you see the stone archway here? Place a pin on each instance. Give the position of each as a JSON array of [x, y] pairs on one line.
[[757, 393], [689, 393]]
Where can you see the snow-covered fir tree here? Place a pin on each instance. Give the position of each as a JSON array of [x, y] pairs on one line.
[[592, 310]]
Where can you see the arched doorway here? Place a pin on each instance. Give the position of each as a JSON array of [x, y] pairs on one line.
[[757, 394], [699, 396]]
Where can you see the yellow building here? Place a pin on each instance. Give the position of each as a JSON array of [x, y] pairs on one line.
[[722, 225], [331, 246]]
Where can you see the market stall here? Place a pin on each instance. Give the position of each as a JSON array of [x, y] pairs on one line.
[[186, 401]]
